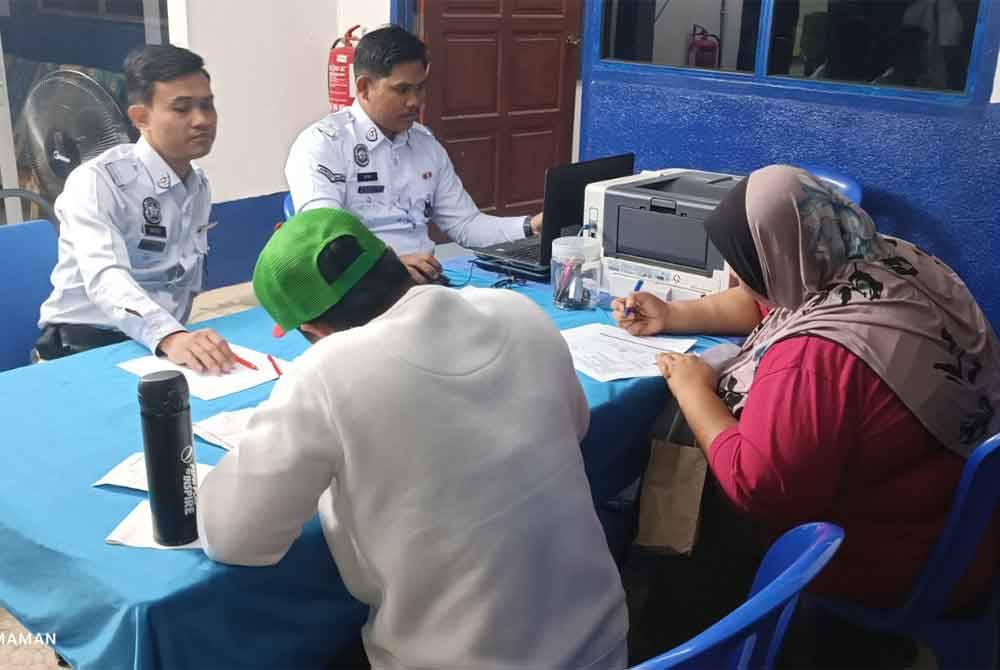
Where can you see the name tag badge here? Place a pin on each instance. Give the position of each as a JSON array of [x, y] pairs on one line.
[[368, 176], [371, 189], [154, 230], [147, 244]]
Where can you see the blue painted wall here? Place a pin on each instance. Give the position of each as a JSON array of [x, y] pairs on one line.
[[244, 226], [929, 164]]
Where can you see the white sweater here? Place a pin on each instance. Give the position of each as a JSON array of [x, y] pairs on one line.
[[441, 445]]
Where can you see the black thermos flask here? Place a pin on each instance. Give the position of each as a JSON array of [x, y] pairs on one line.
[[170, 464]]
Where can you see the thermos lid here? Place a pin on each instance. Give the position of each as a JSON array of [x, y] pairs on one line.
[[164, 392]]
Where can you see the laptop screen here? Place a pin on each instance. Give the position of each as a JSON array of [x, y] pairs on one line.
[[564, 191]]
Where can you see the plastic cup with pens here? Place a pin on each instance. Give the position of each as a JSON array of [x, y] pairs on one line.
[[576, 272]]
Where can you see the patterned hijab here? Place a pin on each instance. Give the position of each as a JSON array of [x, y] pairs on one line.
[[829, 273]]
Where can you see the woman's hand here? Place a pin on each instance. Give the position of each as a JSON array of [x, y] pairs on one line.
[[686, 371], [692, 381], [641, 313]]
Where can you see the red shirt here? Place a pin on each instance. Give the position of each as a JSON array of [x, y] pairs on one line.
[[823, 438]]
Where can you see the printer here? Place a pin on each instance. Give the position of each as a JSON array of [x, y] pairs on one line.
[[650, 227]]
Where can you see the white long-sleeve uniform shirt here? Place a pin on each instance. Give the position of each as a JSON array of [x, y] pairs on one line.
[[395, 186], [132, 243], [441, 445]]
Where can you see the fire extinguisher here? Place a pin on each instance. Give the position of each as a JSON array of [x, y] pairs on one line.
[[704, 48], [340, 71]]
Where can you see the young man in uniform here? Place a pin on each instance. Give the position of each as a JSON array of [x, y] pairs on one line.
[[451, 491], [375, 160], [134, 223]]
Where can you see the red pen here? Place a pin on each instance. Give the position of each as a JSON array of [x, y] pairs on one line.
[[274, 364], [244, 362]]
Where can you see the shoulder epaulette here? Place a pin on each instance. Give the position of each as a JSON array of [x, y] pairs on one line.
[[122, 171]]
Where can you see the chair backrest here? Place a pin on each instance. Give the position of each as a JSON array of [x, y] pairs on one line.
[[972, 508], [750, 636], [288, 206], [846, 185], [29, 250]]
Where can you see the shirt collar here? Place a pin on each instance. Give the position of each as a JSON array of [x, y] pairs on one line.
[[371, 133], [163, 176]]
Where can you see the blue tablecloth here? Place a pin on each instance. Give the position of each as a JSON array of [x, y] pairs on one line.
[[67, 422]]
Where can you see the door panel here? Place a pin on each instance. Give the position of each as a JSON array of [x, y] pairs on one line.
[[531, 53], [529, 153], [501, 93], [539, 6], [450, 8], [474, 60], [475, 161]]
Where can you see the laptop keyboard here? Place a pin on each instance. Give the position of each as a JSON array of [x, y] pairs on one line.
[[525, 252]]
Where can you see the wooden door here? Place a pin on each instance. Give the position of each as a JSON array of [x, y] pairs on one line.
[[501, 93]]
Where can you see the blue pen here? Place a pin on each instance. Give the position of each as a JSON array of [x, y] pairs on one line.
[[638, 287]]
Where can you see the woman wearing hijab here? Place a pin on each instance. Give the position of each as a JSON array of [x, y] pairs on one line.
[[868, 376]]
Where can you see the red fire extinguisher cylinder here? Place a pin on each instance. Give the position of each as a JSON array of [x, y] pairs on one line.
[[340, 71]]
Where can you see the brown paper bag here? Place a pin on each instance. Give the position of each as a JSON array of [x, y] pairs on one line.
[[671, 497]]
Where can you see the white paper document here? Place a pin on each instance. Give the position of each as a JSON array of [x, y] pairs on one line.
[[131, 473], [210, 387], [136, 530], [607, 353], [224, 429]]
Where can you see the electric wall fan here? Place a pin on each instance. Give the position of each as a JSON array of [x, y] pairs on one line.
[[68, 118]]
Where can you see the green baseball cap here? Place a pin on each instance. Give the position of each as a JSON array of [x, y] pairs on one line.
[[287, 279]]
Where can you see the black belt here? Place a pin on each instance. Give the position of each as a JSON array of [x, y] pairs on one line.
[[62, 339]]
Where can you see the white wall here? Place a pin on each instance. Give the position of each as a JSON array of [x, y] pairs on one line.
[[996, 83], [268, 65], [369, 13]]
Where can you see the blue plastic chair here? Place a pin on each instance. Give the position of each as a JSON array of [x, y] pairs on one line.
[[288, 206], [750, 636], [957, 641], [846, 185], [30, 252]]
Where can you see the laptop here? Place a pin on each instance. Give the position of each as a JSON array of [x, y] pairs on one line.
[[562, 215]]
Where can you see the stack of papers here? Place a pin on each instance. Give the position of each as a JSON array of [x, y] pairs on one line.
[[210, 387], [131, 473], [607, 353], [225, 429], [136, 530]]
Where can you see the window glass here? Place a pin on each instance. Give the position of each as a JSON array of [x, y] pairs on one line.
[[70, 5], [53, 121], [904, 43], [710, 34]]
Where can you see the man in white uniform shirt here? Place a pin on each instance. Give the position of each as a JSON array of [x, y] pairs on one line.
[[375, 160], [437, 432], [134, 225]]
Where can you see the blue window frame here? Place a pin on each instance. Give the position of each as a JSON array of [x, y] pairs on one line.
[[401, 13], [763, 73]]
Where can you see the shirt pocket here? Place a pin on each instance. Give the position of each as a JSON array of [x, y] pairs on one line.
[[147, 241], [147, 253], [376, 210]]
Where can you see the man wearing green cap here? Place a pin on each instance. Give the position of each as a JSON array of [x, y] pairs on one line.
[[437, 432]]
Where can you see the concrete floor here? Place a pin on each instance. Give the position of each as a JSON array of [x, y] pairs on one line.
[[15, 656]]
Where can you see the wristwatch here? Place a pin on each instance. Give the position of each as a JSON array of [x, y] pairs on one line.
[[528, 232]]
